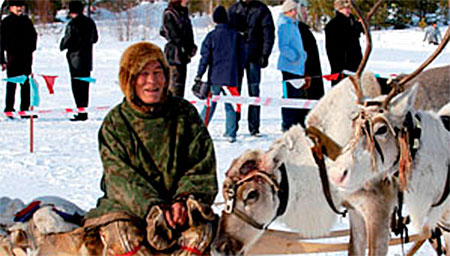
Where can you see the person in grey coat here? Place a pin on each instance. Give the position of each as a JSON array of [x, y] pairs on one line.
[[81, 34], [432, 34]]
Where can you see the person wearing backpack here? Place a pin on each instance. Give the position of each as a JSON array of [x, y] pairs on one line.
[[223, 55]]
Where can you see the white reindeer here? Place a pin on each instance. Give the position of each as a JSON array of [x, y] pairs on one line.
[[256, 196], [253, 180], [381, 147]]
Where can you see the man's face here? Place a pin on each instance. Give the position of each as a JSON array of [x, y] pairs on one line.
[[17, 10], [346, 11], [184, 3], [151, 83], [292, 13]]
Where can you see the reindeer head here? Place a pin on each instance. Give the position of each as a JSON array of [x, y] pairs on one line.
[[375, 146], [250, 190], [254, 187]]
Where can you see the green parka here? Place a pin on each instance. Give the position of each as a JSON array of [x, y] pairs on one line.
[[154, 158]]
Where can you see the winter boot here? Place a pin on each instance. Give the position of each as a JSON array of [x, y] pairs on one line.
[[123, 238], [80, 117]]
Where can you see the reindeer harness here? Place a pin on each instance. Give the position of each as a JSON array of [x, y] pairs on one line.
[[408, 143], [281, 189]]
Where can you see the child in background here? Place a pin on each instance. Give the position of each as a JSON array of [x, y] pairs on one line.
[[222, 53]]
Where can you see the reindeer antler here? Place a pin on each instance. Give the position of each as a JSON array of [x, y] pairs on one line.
[[373, 10], [397, 86], [357, 78]]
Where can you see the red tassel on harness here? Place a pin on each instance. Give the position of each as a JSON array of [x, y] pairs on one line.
[[191, 249], [132, 252]]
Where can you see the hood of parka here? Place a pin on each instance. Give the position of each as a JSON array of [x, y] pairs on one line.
[[133, 61]]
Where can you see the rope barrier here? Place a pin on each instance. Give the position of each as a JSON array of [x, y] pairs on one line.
[[256, 101]]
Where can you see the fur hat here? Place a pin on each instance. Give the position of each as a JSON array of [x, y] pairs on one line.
[[288, 5], [133, 60], [16, 3], [341, 4], [220, 15], [76, 7]]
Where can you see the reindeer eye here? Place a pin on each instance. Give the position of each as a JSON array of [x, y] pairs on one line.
[[382, 130], [252, 195], [354, 115]]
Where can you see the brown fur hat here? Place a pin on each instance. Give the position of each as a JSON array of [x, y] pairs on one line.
[[133, 60]]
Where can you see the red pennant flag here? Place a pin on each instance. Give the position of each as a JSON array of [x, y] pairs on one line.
[[50, 81], [331, 77]]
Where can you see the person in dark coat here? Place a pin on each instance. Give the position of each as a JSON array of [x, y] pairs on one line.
[[180, 47], [18, 40], [223, 55], [253, 19], [81, 34], [313, 68], [342, 40]]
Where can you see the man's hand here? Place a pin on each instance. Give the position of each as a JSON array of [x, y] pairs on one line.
[[3, 67], [263, 62], [307, 82], [176, 215]]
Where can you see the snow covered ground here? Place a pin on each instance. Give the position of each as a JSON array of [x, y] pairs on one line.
[[65, 161]]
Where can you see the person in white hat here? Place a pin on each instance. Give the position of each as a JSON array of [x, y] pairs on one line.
[[291, 61], [312, 65]]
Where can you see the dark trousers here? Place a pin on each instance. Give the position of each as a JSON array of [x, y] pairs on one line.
[[253, 73], [11, 93], [80, 89], [291, 116], [178, 79]]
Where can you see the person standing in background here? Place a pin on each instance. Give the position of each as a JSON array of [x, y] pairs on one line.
[[18, 40], [223, 55], [254, 20], [180, 47], [432, 34], [291, 62], [313, 69], [342, 40], [81, 34]]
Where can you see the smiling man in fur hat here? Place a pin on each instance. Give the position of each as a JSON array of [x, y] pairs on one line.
[[159, 164]]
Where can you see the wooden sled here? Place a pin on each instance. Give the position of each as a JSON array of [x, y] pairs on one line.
[[274, 242]]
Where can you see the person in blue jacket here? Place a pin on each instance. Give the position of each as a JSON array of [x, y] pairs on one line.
[[291, 62], [223, 54]]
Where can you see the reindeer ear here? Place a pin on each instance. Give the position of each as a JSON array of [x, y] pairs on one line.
[[271, 159], [404, 102]]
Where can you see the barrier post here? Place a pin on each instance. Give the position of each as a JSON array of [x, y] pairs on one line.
[[31, 131]]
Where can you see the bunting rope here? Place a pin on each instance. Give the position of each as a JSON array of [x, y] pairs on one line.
[[256, 101]]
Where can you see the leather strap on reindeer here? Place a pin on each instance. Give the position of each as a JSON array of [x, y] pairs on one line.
[[446, 189], [324, 145]]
